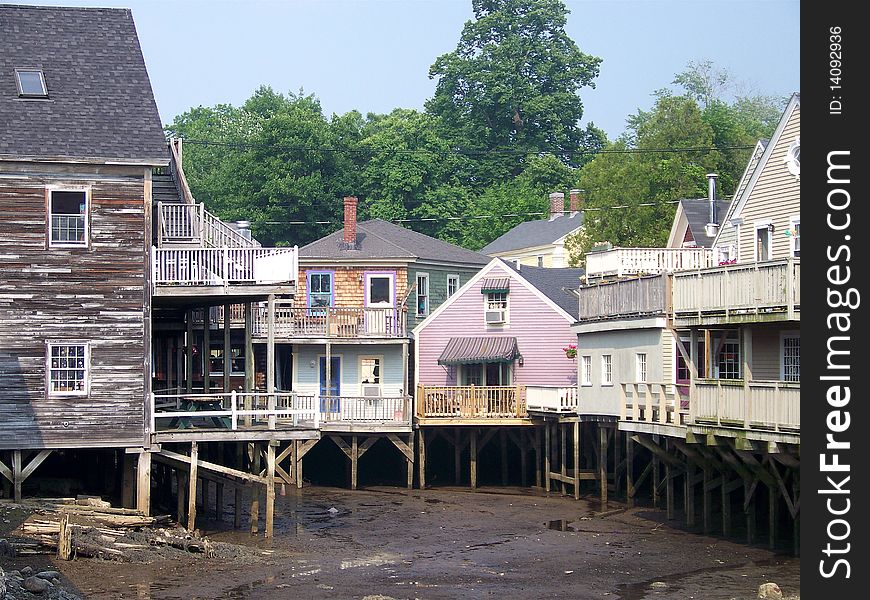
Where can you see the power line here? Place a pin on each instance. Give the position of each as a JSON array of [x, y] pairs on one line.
[[462, 151]]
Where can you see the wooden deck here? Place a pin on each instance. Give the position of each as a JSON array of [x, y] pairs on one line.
[[472, 405], [739, 293], [748, 405], [635, 297], [321, 323], [627, 262]]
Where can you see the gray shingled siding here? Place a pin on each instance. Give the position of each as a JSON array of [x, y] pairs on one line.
[[437, 288]]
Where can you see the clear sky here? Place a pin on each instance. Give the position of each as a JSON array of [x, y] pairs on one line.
[[374, 55]]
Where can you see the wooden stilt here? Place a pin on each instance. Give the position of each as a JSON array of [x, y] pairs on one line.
[[689, 500], [707, 499], [773, 514], [656, 479], [128, 488], [749, 509], [457, 455], [180, 487], [629, 472], [254, 457], [143, 483], [576, 448], [547, 454], [472, 431], [538, 477], [64, 539], [617, 457], [796, 522], [726, 506], [191, 481], [354, 461], [563, 457], [410, 460], [270, 490], [502, 434], [422, 453], [669, 491], [602, 464], [240, 463]]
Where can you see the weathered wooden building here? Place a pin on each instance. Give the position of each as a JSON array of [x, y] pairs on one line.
[[81, 137]]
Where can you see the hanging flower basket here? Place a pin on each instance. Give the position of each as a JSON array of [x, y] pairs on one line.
[[570, 351]]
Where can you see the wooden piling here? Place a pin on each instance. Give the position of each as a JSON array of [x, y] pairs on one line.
[[354, 461], [689, 500], [576, 448], [629, 472], [602, 464], [547, 454], [410, 460], [191, 496], [563, 457], [726, 506], [180, 487], [422, 455], [270, 490], [538, 477], [143, 483], [473, 452], [502, 434], [457, 455], [254, 457]]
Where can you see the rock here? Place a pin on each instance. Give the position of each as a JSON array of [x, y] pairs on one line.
[[49, 575], [26, 571], [658, 585], [769, 591], [6, 548], [36, 585]]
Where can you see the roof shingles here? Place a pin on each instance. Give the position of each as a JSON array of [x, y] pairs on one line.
[[100, 104]]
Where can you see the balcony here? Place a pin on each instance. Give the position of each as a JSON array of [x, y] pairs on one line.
[[627, 298], [356, 413], [739, 293], [772, 406], [223, 271], [471, 404], [628, 262], [654, 403], [330, 322], [549, 399]]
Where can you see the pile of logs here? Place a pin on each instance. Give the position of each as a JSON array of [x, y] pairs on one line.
[[87, 527]]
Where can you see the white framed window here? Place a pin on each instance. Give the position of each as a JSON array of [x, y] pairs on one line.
[[320, 289], [728, 363], [422, 294], [496, 308], [452, 284], [795, 236], [380, 290], [763, 240], [68, 216], [486, 374], [68, 366], [790, 362], [585, 370], [640, 366], [371, 376], [31, 83], [606, 369], [793, 158]]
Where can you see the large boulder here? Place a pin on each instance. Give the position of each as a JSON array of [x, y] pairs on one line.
[[769, 591], [36, 585]]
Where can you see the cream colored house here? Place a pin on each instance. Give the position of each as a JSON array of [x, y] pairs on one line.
[[541, 243]]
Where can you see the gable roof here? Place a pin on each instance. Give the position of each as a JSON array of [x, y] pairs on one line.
[[697, 213], [534, 233], [378, 239], [100, 104], [757, 162], [554, 283]]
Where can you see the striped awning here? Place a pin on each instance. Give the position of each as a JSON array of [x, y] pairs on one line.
[[495, 284], [464, 350]]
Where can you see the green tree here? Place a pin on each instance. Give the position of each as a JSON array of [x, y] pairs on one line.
[[511, 86]]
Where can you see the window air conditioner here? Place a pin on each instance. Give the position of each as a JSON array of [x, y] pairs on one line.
[[371, 391], [495, 316]]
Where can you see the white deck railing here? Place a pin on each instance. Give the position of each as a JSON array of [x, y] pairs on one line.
[[552, 399], [191, 223], [360, 409], [623, 262], [772, 405], [224, 266], [743, 287], [653, 402], [335, 322], [231, 410]]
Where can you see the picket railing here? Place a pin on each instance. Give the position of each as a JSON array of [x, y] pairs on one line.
[[472, 402], [224, 266]]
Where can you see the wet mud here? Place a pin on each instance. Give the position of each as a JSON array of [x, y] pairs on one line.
[[382, 543]]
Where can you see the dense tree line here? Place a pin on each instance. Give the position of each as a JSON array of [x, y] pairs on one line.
[[503, 129]]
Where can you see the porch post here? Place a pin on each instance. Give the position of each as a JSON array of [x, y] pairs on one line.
[[206, 350], [228, 363], [188, 351]]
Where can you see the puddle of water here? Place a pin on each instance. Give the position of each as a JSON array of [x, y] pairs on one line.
[[560, 525]]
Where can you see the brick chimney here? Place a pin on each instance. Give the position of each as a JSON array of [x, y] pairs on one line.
[[557, 204], [575, 201], [350, 221]]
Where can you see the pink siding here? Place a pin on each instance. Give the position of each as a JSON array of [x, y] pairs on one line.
[[541, 334]]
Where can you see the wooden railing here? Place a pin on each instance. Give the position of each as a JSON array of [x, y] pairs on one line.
[[770, 405], [191, 223], [231, 410], [552, 399], [627, 297], [649, 402], [471, 402], [224, 266], [360, 409], [758, 287], [335, 322], [624, 262]]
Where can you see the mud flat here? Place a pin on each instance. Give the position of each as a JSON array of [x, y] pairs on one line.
[[382, 543]]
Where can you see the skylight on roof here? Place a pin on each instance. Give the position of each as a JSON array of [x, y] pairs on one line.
[[31, 83]]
